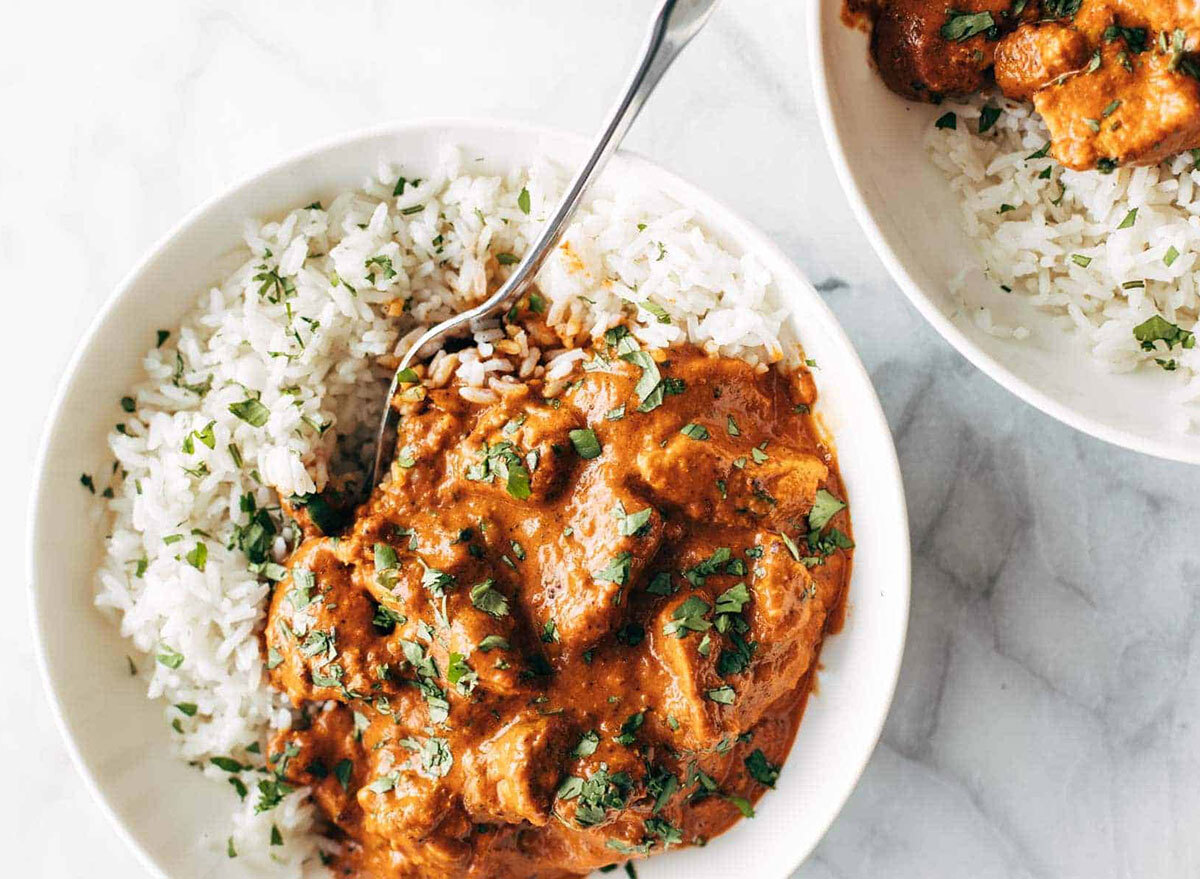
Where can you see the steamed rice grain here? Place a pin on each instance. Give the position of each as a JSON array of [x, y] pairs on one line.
[[1102, 252]]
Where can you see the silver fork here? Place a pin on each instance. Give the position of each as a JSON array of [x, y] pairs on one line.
[[676, 22]]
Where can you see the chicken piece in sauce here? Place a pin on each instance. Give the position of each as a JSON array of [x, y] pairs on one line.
[[567, 630], [1116, 81]]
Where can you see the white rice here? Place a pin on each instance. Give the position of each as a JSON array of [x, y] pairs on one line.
[[314, 349], [1072, 259]]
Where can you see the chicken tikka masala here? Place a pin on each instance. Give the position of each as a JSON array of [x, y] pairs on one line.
[[575, 624], [1117, 82]]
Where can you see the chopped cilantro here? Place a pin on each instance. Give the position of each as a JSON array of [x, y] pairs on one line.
[[688, 617], [617, 570], [1158, 329], [587, 744], [597, 795], [435, 581], [632, 524], [987, 117], [630, 727], [493, 642], [460, 675], [251, 411], [489, 600], [660, 313], [760, 769], [664, 830], [168, 657], [733, 599], [962, 26], [743, 806], [198, 557], [385, 557], [825, 507], [585, 442], [696, 575], [723, 695], [660, 584], [1134, 37], [383, 263]]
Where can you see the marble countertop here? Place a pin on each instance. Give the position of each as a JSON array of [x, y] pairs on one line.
[[1047, 721]]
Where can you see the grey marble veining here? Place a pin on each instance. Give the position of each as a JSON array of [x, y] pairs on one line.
[[1047, 721]]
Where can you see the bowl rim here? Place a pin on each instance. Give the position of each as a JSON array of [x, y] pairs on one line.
[[986, 363], [759, 241]]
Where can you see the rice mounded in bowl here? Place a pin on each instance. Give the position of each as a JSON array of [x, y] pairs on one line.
[[1112, 253], [273, 384]]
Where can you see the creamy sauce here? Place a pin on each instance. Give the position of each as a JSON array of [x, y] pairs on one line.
[[565, 632], [1116, 81]]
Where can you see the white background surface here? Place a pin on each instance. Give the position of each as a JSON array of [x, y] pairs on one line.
[[1048, 718]]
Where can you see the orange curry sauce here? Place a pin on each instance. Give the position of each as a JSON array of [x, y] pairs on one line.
[[1117, 82], [566, 630]]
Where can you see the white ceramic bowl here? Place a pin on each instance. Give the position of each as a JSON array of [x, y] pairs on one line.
[[119, 741], [910, 215]]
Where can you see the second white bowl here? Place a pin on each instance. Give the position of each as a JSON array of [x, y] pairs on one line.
[[908, 211]]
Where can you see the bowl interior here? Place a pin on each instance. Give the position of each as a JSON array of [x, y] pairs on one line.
[[911, 216], [176, 819]]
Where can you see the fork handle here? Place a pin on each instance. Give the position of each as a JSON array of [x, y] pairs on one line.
[[673, 27]]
